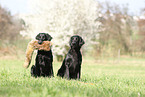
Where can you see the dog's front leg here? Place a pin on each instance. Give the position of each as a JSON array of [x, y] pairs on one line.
[[34, 71], [79, 72], [52, 70], [66, 74], [78, 75]]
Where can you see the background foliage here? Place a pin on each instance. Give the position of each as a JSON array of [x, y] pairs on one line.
[[107, 29], [61, 20]]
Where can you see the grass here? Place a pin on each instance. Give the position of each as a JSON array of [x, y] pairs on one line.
[[100, 78]]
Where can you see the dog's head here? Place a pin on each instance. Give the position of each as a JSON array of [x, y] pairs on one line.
[[43, 37], [76, 42]]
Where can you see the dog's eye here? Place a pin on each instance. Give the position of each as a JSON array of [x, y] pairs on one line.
[[43, 37], [72, 38], [38, 37]]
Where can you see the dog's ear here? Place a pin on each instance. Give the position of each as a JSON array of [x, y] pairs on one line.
[[70, 40], [38, 36], [48, 37], [81, 41]]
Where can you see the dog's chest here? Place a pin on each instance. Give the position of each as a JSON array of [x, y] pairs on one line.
[[73, 60]]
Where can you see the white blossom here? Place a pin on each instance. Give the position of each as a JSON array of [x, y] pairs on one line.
[[62, 19]]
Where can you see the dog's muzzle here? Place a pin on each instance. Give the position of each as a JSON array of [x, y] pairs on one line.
[[40, 42]]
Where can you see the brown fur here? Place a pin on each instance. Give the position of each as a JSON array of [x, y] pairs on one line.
[[33, 45]]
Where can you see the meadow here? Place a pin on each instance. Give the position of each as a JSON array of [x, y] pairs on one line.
[[99, 78]]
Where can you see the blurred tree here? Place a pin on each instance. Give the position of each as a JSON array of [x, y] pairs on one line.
[[141, 25], [117, 34], [62, 19], [9, 27]]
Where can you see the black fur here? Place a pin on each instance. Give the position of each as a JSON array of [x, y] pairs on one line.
[[71, 66], [43, 66]]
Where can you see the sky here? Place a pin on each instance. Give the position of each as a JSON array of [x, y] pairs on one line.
[[21, 6]]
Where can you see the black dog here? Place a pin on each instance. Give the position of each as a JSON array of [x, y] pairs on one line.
[[43, 66], [71, 66]]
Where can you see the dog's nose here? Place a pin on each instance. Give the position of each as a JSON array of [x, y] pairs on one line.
[[40, 42], [73, 43]]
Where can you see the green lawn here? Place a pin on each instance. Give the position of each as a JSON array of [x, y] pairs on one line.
[[104, 78]]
